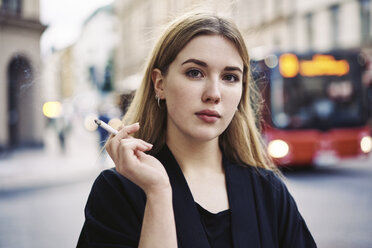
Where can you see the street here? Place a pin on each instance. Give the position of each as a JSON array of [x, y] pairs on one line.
[[335, 203], [50, 217]]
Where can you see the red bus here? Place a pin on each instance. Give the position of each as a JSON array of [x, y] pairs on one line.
[[316, 107]]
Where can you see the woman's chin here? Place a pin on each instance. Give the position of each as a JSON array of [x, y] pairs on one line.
[[205, 135]]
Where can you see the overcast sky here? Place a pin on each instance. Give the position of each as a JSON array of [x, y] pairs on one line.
[[64, 18]]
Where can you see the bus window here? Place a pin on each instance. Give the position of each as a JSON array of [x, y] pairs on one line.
[[321, 102]]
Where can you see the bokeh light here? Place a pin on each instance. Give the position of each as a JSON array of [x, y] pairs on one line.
[[52, 109]]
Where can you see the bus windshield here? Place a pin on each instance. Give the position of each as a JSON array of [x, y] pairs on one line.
[[317, 101]]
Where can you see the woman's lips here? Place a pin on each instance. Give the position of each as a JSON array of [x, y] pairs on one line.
[[208, 116]]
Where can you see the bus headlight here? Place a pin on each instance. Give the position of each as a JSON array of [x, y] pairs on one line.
[[366, 144], [278, 148]]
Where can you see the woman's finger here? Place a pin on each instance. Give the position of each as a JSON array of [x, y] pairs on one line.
[[140, 154], [134, 142], [121, 127], [129, 148], [126, 131]]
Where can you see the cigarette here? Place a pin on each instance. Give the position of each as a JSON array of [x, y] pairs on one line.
[[105, 126]]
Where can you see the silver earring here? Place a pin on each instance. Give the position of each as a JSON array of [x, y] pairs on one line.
[[158, 99]]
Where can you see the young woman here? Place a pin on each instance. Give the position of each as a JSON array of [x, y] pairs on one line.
[[192, 171]]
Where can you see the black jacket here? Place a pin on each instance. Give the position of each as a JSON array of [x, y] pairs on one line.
[[263, 213]]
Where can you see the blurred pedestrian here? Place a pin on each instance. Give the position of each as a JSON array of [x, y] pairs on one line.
[[103, 134], [193, 172], [62, 127]]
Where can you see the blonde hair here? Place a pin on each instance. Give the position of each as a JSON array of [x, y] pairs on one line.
[[241, 142]]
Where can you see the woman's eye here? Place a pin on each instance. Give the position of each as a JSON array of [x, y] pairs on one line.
[[231, 78], [194, 73]]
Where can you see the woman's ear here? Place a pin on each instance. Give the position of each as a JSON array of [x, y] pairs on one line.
[[158, 81]]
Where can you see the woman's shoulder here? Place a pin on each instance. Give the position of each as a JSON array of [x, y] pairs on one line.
[[113, 212], [257, 173], [110, 173], [110, 177], [113, 177], [111, 182], [267, 176], [260, 179]]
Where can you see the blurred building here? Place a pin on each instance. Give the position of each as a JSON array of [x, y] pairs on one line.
[[20, 107], [58, 75], [140, 22], [267, 25], [78, 74], [302, 26], [94, 50]]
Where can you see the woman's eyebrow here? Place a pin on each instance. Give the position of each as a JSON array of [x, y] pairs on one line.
[[196, 61], [233, 68], [203, 64]]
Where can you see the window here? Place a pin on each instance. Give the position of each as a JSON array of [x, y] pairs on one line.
[[278, 7], [291, 24], [309, 30], [335, 13], [365, 16], [10, 6]]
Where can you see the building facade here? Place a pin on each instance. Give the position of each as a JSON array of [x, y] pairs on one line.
[[267, 25], [301, 25], [21, 121], [139, 24], [79, 76]]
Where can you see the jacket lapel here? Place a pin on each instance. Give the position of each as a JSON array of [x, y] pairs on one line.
[[190, 231], [243, 210]]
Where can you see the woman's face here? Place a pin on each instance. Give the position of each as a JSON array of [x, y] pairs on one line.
[[202, 88]]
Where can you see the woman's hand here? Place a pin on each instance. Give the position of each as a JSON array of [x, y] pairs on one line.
[[131, 161]]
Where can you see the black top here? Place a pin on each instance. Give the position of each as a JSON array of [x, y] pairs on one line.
[[263, 212], [217, 227]]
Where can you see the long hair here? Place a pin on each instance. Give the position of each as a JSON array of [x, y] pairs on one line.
[[241, 142]]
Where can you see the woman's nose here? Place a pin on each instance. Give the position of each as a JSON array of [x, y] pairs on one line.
[[212, 92]]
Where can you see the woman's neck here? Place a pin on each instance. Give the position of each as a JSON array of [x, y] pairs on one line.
[[196, 156]]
